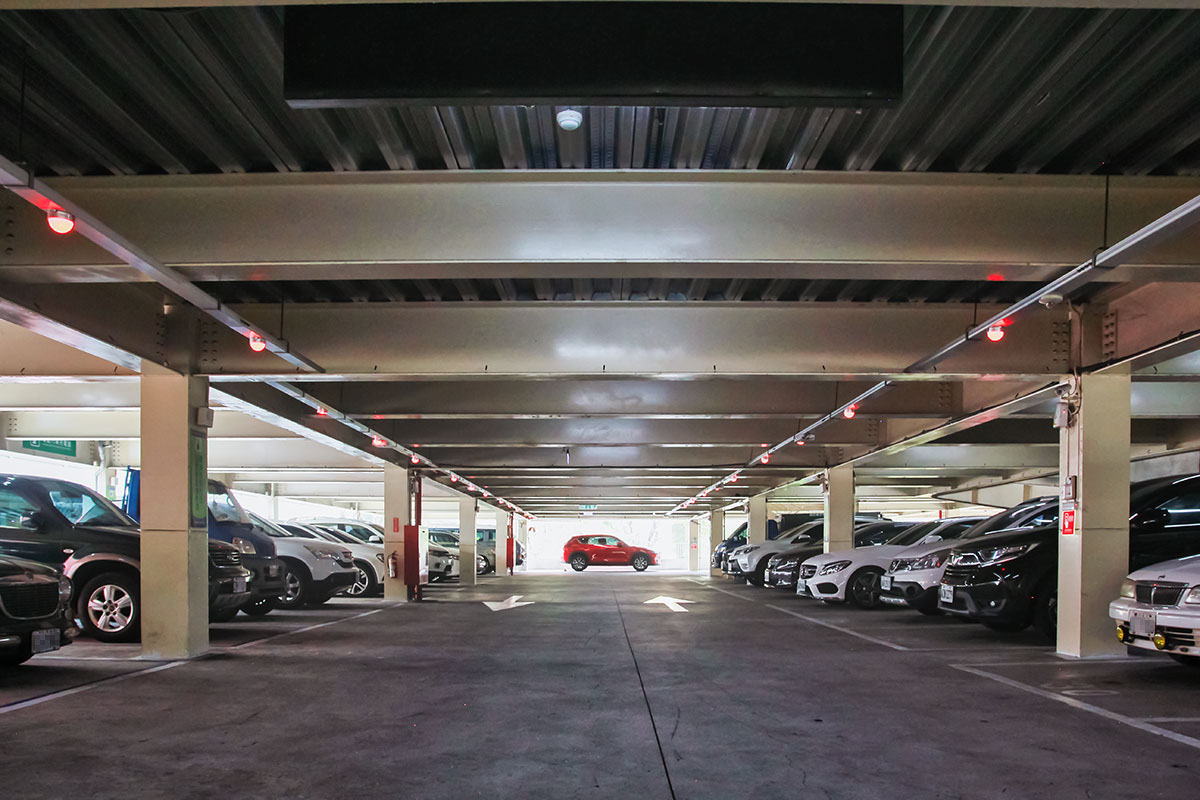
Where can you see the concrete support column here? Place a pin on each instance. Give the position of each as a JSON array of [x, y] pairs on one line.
[[502, 533], [839, 509], [694, 545], [396, 514], [467, 506], [756, 531], [715, 537], [174, 514], [1094, 559]]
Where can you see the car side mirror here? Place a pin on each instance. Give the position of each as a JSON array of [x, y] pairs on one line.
[[933, 537], [1153, 519], [34, 522], [375, 538]]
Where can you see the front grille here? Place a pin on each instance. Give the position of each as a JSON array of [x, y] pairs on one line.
[[344, 562], [808, 570], [959, 574], [225, 558], [1179, 637], [31, 601], [1159, 594]]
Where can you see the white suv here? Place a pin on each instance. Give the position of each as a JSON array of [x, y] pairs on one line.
[[368, 558], [315, 569], [1159, 609]]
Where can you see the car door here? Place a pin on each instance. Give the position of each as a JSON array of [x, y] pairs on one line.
[[29, 531], [606, 546], [622, 553]]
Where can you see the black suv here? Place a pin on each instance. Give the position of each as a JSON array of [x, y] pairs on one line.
[[98, 547], [35, 610], [1009, 581], [229, 522]]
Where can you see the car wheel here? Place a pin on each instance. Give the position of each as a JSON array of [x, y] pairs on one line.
[[110, 607], [260, 607], [1045, 611], [1187, 661], [482, 565], [759, 576], [640, 562], [579, 562], [364, 581], [222, 614], [296, 587], [863, 588]]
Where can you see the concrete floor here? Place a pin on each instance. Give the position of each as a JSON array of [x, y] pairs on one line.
[[754, 693]]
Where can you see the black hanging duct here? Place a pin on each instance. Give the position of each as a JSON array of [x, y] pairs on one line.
[[593, 53]]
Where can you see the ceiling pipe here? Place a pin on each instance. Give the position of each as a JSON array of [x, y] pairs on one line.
[[24, 184], [1158, 231]]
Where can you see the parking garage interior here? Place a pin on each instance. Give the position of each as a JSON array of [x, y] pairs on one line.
[[560, 347]]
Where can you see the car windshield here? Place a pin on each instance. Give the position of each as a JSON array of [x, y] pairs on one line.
[[82, 506], [223, 506], [335, 535], [297, 531], [914, 534], [1012, 518], [270, 528]]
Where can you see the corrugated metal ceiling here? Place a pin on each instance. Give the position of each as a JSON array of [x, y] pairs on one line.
[[987, 89]]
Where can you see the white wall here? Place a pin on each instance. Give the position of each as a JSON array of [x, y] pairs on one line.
[[37, 466]]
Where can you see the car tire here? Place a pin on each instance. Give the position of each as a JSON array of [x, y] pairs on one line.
[[482, 565], [297, 586], [108, 592], [640, 562], [364, 584], [862, 590], [1045, 611], [222, 614], [1187, 661], [260, 607], [578, 562], [759, 576]]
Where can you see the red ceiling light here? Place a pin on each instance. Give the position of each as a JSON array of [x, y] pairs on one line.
[[415, 459], [765, 458], [850, 411], [734, 478], [322, 411], [257, 343], [995, 277], [454, 479], [61, 222], [764, 444], [378, 441], [995, 333], [800, 443]]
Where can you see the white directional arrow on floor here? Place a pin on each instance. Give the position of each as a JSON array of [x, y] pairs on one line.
[[673, 603], [507, 604]]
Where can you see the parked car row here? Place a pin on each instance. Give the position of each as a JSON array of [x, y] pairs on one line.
[[1002, 571]]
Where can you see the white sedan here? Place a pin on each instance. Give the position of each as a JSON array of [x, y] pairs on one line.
[[853, 575], [1159, 609]]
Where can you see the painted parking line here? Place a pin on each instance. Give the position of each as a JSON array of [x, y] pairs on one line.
[[840, 629], [726, 591], [308, 628], [1132, 722], [87, 687]]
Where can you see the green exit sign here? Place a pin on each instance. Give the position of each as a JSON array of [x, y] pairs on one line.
[[61, 447], [588, 507]]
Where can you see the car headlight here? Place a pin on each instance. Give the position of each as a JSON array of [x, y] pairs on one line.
[[380, 557], [438, 552], [1192, 597], [64, 587], [832, 567], [931, 561], [320, 552], [749, 549], [991, 555], [1127, 591], [244, 545]]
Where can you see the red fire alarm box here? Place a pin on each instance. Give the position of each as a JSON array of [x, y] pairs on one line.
[[1068, 522]]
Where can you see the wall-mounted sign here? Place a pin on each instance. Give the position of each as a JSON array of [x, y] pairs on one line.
[[1068, 522], [588, 507], [60, 447]]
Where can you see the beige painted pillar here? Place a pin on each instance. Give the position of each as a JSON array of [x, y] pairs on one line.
[[1092, 562], [502, 564], [715, 537], [756, 531], [839, 509], [694, 545], [467, 506], [396, 514], [174, 514]]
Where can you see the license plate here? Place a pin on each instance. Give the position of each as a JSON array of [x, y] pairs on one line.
[[801, 586], [239, 585], [946, 593], [45, 641], [885, 583], [1141, 623]]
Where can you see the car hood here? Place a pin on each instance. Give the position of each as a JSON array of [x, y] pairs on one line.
[[132, 535], [297, 545], [10, 566], [1181, 570], [868, 553], [804, 552], [946, 545], [1000, 539]]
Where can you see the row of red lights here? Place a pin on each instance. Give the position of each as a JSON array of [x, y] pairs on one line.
[[995, 333]]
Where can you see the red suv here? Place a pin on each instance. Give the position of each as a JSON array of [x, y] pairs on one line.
[[583, 551]]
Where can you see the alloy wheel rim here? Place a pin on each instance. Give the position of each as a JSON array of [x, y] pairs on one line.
[[110, 608], [863, 588], [360, 582], [291, 587]]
